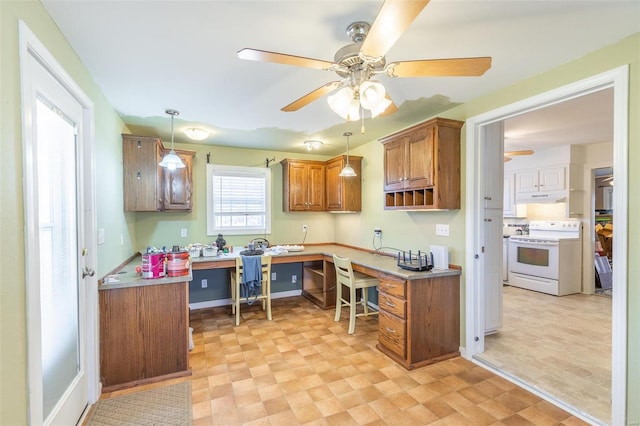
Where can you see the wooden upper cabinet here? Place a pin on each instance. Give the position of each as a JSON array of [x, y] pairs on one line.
[[303, 185], [142, 177], [422, 166], [149, 187], [177, 184], [344, 194]]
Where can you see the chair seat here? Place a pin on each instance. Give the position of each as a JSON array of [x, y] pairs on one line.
[[353, 280]]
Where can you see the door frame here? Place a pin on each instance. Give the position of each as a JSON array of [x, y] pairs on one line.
[[618, 79], [31, 47]]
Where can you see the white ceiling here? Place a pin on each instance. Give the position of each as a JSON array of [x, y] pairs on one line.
[[147, 56]]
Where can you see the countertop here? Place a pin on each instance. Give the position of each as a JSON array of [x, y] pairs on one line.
[[377, 262], [127, 277]]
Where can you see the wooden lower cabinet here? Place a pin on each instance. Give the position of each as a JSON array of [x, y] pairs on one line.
[[419, 321], [144, 334]]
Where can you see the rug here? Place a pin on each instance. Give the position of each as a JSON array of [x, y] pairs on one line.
[[165, 406]]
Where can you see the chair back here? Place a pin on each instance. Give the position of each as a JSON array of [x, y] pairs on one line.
[[344, 271], [265, 261]]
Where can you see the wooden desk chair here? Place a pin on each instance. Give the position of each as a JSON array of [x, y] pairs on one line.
[[345, 276], [236, 293]]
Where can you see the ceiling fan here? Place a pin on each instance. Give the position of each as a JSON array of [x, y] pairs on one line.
[[509, 154], [359, 62]]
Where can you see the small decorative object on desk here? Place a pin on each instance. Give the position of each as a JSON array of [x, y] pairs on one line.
[[220, 242], [419, 262]]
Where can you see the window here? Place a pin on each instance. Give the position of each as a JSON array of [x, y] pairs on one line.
[[238, 200]]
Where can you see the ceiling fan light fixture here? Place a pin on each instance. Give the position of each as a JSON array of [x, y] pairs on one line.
[[312, 144], [372, 94], [382, 107], [171, 161], [196, 133], [341, 103]]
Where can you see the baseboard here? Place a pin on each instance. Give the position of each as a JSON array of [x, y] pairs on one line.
[[226, 302]]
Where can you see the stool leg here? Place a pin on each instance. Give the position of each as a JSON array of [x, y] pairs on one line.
[[268, 297], [336, 318], [365, 299], [352, 310]]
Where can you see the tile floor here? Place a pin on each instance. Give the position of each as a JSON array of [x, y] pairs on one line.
[[561, 345], [304, 368]]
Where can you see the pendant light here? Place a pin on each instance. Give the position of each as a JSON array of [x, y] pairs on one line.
[[348, 170], [171, 161]]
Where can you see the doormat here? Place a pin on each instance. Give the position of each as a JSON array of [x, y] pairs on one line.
[[165, 406]]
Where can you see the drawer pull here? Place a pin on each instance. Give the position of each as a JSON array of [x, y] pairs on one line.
[[389, 285], [393, 305], [390, 330]]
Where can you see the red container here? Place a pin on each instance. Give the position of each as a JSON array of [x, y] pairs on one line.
[[178, 263], [153, 265]]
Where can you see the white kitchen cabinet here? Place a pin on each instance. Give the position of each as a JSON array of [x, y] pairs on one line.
[[493, 244], [541, 180], [509, 206]]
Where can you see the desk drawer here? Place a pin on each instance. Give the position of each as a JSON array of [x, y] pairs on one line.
[[392, 333], [393, 305], [393, 286]]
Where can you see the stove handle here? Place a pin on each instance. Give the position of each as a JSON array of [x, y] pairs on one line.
[[532, 244]]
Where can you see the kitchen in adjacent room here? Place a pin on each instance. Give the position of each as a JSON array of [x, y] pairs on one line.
[[554, 319]]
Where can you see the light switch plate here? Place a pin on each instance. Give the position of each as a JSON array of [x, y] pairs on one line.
[[100, 236], [442, 229], [183, 232]]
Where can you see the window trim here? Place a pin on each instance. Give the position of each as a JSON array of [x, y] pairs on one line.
[[263, 171]]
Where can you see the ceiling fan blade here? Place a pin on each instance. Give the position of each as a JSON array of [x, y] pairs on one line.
[[392, 21], [521, 152], [312, 96], [281, 58], [455, 67]]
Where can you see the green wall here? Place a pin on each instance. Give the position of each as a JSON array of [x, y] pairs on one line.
[[401, 230]]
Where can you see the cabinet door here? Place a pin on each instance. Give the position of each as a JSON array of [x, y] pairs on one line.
[[493, 245], [394, 159], [316, 188], [552, 179], [141, 176], [509, 195], [298, 181], [177, 185], [334, 184], [527, 181], [419, 164]]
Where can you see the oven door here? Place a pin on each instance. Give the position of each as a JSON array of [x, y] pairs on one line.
[[537, 258]]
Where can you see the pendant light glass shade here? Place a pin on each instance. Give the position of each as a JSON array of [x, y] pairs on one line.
[[347, 171], [171, 161]]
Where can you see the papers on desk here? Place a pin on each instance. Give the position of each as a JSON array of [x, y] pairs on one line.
[[275, 250]]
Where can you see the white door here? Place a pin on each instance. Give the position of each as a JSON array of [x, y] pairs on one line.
[[492, 147], [57, 267]]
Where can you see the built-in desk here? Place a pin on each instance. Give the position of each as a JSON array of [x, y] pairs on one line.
[[419, 320]]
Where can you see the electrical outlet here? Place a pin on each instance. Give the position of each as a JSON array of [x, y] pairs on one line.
[[273, 276], [442, 230], [377, 232], [294, 279], [304, 228], [204, 283], [183, 232]]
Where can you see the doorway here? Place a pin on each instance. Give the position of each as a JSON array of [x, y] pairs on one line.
[[618, 80], [60, 248]]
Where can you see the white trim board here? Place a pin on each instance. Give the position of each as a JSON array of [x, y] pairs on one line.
[[617, 78]]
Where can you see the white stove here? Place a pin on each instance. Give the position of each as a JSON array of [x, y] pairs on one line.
[[549, 258]]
